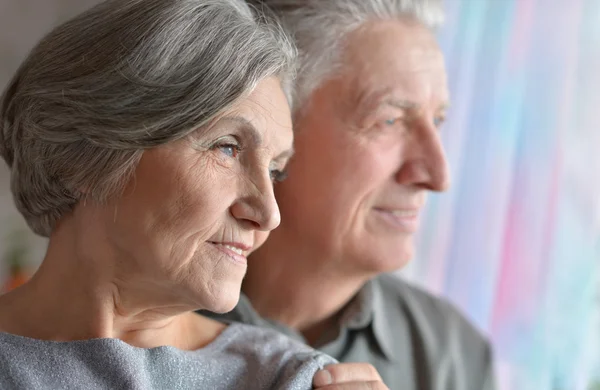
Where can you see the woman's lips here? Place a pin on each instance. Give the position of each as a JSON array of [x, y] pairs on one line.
[[236, 251]]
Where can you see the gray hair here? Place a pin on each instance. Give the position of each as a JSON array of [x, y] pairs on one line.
[[320, 27], [120, 78]]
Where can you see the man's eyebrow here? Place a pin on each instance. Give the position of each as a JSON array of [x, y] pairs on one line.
[[400, 104], [373, 100], [408, 105], [445, 106], [368, 102]]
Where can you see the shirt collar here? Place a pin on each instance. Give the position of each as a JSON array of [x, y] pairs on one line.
[[368, 309], [384, 329]]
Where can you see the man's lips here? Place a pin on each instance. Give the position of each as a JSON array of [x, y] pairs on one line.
[[408, 212], [406, 220]]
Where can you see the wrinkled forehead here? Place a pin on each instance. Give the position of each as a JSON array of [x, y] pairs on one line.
[[267, 110], [267, 103], [401, 56]]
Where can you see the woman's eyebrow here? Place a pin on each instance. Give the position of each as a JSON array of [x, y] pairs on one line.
[[255, 135]]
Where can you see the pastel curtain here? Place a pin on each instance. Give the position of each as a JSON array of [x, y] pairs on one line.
[[516, 242]]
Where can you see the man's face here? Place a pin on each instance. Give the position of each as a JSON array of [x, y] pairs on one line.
[[368, 149]]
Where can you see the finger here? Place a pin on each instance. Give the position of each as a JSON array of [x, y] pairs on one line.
[[346, 372], [370, 385]]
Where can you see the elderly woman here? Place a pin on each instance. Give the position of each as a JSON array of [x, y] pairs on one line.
[[143, 139]]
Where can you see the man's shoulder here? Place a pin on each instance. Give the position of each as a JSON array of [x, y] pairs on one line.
[[442, 339], [428, 313], [406, 293]]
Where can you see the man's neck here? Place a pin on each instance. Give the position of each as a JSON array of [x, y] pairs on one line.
[[299, 289]]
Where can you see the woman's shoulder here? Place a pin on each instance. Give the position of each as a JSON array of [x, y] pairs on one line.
[[241, 357], [265, 343], [253, 334], [289, 364]]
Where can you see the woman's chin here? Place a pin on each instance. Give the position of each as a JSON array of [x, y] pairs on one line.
[[224, 302]]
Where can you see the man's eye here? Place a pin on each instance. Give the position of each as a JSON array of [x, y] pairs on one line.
[[278, 175], [399, 120], [437, 122]]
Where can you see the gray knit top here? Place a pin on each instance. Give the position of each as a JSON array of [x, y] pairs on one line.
[[241, 357]]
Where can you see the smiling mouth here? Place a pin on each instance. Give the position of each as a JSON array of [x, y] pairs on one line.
[[235, 251], [403, 220], [232, 248], [400, 213]]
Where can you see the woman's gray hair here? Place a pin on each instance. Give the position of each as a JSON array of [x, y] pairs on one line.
[[120, 78], [320, 27]]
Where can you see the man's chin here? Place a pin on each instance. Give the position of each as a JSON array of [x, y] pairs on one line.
[[393, 259]]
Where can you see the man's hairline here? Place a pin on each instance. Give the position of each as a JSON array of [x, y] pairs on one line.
[[337, 64]]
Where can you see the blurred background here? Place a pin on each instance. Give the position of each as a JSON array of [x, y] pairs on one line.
[[516, 242]]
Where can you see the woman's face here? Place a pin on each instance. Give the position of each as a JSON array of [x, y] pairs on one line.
[[188, 218]]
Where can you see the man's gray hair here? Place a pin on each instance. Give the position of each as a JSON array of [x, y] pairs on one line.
[[320, 27], [118, 79]]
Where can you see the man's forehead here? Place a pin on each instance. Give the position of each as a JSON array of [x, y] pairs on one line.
[[393, 37], [370, 95], [383, 58], [392, 48]]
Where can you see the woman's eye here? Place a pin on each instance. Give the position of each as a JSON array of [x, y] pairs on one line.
[[390, 122], [278, 175], [231, 150]]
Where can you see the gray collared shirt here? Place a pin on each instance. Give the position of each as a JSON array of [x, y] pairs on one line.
[[415, 340]]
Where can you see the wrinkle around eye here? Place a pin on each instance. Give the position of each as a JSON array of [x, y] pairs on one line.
[[217, 163]]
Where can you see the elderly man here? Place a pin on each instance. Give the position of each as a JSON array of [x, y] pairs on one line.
[[370, 98]]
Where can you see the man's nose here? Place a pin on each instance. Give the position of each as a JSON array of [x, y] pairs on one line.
[[424, 164]]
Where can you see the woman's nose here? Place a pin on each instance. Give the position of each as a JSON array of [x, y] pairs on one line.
[[259, 207]]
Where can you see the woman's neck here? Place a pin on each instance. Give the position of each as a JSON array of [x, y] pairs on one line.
[[74, 296]]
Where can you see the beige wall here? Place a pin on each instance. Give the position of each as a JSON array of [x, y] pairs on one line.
[[22, 24]]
